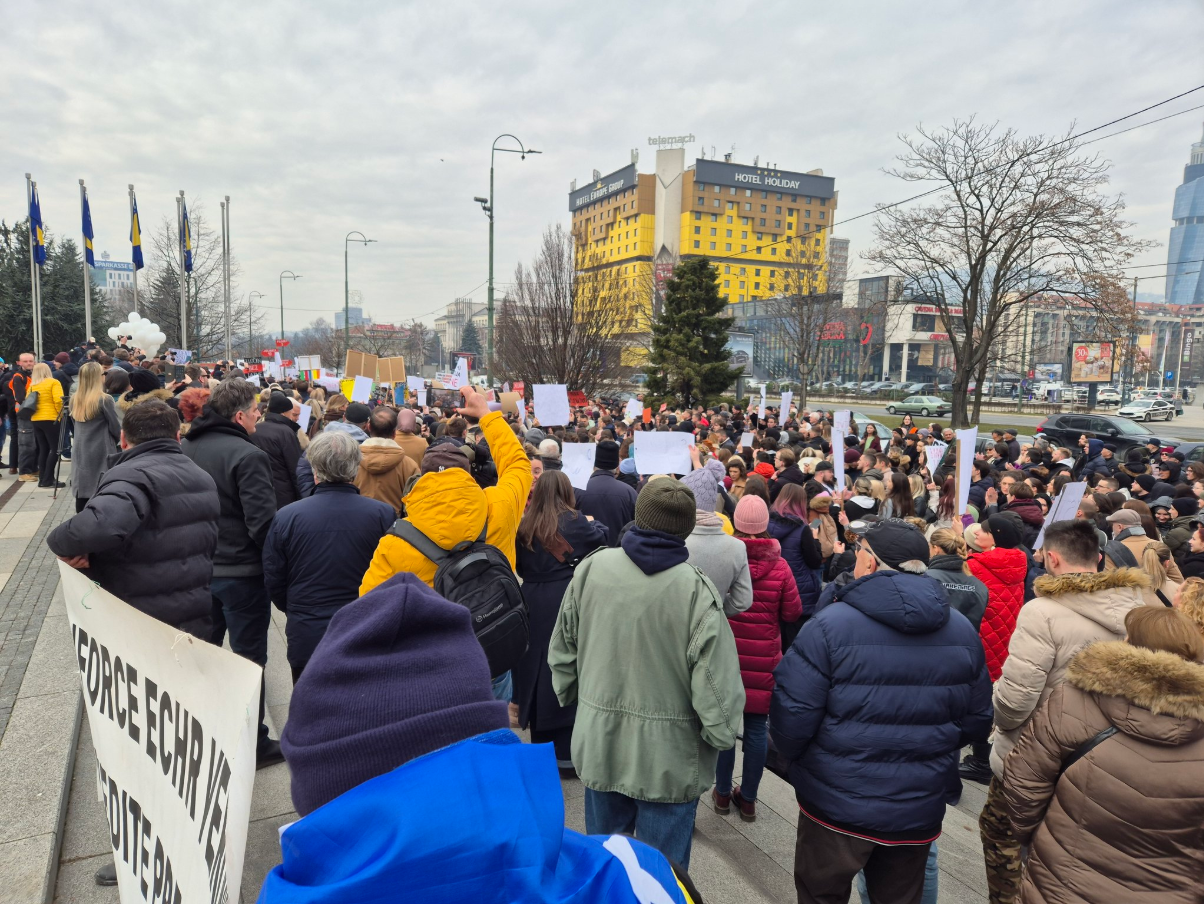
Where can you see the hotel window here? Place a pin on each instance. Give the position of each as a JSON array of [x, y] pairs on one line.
[[764, 194], [697, 244], [712, 246], [778, 209], [714, 231], [777, 224], [790, 211], [729, 219], [741, 284], [756, 285], [743, 247], [744, 234], [728, 247], [771, 274], [748, 192], [714, 218], [763, 208], [729, 233], [756, 271], [727, 284], [701, 199], [807, 199], [727, 268], [744, 221], [807, 214], [822, 215], [794, 197], [698, 214], [823, 202], [758, 249], [741, 297], [760, 235], [731, 205], [747, 206], [773, 251], [717, 189], [762, 221], [717, 202], [698, 230], [732, 190], [817, 243], [789, 225], [779, 197]]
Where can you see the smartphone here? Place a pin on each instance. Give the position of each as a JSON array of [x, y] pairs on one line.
[[447, 398], [177, 373], [815, 524]]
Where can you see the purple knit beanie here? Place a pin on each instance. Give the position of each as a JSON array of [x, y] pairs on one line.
[[399, 674]]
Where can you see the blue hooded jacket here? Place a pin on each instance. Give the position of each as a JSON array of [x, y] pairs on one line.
[[493, 832], [1094, 462], [881, 689]]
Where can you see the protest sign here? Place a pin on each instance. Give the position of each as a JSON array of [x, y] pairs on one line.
[[459, 377], [361, 390], [1065, 506], [647, 416], [577, 399], [359, 363], [746, 440], [784, 410], [519, 386], [633, 409], [399, 395], [761, 407], [578, 462], [309, 362], [252, 378], [522, 410], [303, 416], [663, 453], [935, 450], [415, 383], [552, 404], [420, 397], [840, 429], [965, 464], [391, 370], [510, 402], [179, 355], [173, 722]]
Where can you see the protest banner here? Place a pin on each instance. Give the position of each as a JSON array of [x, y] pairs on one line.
[[1064, 508], [965, 464], [578, 462], [577, 399], [663, 453], [173, 722], [179, 355], [510, 402], [552, 405], [359, 363], [415, 383], [784, 409], [840, 429], [391, 370], [746, 440], [761, 407], [936, 450], [309, 362]]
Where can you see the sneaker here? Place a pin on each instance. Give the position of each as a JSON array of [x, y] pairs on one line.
[[28, 477], [721, 802], [973, 769], [747, 808], [269, 755], [106, 876]]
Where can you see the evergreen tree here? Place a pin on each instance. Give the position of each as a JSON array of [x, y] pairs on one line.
[[688, 363], [470, 341]]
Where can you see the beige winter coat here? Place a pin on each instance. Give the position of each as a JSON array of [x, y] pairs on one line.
[[1124, 824], [1069, 612]]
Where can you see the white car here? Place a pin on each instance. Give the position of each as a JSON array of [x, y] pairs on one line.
[[1148, 410], [1107, 395]]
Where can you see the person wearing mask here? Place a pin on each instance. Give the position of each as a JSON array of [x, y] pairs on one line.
[[433, 724], [386, 470], [97, 432], [712, 550], [318, 548], [1103, 784], [606, 498], [1075, 606], [45, 422], [759, 644], [553, 538], [791, 520], [999, 563], [872, 753], [947, 563], [646, 740], [148, 532], [219, 442], [276, 435]]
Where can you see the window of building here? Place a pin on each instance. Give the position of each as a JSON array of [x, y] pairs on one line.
[[698, 230], [701, 187], [697, 244], [748, 192], [763, 208], [729, 219], [714, 231], [714, 218], [771, 274], [731, 205], [778, 209], [727, 284], [756, 271], [717, 189], [698, 214], [779, 196], [727, 247], [817, 243], [712, 246], [727, 268], [822, 215], [807, 199], [777, 224], [741, 284], [729, 233], [743, 247], [764, 194], [794, 197], [807, 214], [701, 199], [760, 235], [744, 234], [756, 285], [747, 206], [790, 211], [717, 202], [732, 190], [758, 249], [923, 323], [789, 225], [773, 251], [741, 297]]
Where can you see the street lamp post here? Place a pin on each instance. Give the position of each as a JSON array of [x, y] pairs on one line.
[[487, 206], [251, 323], [284, 274], [363, 240]]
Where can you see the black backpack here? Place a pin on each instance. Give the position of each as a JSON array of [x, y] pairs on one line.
[[479, 577]]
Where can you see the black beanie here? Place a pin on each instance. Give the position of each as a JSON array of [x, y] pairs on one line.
[[398, 674], [1003, 531], [279, 403], [143, 381], [606, 455], [1185, 505], [1145, 481]]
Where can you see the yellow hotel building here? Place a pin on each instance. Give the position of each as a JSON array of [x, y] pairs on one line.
[[765, 229]]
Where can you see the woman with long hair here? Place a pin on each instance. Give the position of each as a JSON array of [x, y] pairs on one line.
[[1154, 561], [46, 424], [898, 502], [552, 538], [97, 432], [871, 441], [919, 495], [790, 520], [908, 425], [757, 486], [946, 503]]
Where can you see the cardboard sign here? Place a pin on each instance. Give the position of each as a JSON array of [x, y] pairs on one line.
[[578, 462], [577, 399], [174, 722], [359, 363], [510, 402], [391, 370], [552, 405], [784, 411]]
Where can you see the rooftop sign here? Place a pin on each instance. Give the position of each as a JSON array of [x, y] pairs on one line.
[[716, 172]]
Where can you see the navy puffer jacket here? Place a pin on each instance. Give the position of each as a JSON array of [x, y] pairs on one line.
[[802, 554], [881, 689]]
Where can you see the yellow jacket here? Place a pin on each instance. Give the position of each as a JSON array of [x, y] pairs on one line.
[[50, 399], [450, 508]]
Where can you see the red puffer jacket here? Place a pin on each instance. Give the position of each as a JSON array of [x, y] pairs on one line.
[[1003, 571], [758, 634]]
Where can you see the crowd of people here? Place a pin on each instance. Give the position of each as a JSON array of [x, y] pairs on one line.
[[443, 583]]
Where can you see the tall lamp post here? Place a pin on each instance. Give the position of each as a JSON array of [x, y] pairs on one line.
[[363, 240], [284, 274], [487, 206], [251, 323]]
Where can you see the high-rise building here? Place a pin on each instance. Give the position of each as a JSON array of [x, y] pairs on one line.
[[112, 275], [355, 317], [1185, 281], [838, 263], [764, 228]]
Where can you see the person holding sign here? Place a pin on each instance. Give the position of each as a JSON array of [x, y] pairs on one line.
[[606, 498]]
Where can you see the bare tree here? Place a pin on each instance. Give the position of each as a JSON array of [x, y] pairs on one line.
[[418, 344], [565, 321], [319, 338], [1015, 218]]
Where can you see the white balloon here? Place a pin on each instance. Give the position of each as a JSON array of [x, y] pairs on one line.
[[113, 333], [160, 337], [135, 316]]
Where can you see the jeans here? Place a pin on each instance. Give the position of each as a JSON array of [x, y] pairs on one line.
[[667, 827], [503, 687], [756, 746], [931, 876], [241, 606], [46, 434], [68, 433]]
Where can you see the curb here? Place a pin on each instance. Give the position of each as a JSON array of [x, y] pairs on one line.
[[52, 869]]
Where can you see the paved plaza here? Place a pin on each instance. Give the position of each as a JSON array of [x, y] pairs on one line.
[[53, 834]]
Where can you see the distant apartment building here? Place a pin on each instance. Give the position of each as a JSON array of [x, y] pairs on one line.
[[355, 317], [450, 326], [1185, 250]]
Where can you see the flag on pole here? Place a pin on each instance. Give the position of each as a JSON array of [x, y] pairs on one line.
[[35, 228], [88, 255], [135, 233], [186, 239]]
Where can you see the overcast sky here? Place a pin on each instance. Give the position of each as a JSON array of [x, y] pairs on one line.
[[320, 118]]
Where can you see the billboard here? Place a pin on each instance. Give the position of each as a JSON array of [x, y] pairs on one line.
[[740, 348], [832, 333], [715, 172], [604, 187], [1189, 335], [1091, 362], [1048, 373]]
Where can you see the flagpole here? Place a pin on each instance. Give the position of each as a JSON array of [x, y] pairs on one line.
[[140, 239], [183, 285], [33, 270], [83, 201], [226, 269]]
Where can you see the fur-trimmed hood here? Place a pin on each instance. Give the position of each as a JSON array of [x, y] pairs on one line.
[[1151, 694], [132, 398], [1104, 597]]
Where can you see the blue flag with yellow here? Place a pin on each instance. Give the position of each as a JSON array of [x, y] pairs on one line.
[[135, 233], [186, 239], [88, 255], [37, 234]]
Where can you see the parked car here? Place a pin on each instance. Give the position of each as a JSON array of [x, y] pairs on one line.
[[921, 404], [883, 430], [1192, 451], [919, 389], [827, 386], [944, 387], [880, 386], [1065, 430], [1148, 410]]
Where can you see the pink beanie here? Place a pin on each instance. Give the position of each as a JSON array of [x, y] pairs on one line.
[[752, 517]]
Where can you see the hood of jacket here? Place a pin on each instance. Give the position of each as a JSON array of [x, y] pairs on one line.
[[447, 506], [1094, 447], [910, 603], [212, 422], [379, 455], [654, 551], [343, 427], [1009, 566], [1150, 694], [763, 554], [1104, 597], [948, 563], [1029, 511], [133, 398]]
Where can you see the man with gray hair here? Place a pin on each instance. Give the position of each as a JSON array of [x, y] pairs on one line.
[[549, 454], [319, 548]]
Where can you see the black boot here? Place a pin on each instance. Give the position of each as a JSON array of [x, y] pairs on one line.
[[974, 769], [106, 876]]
